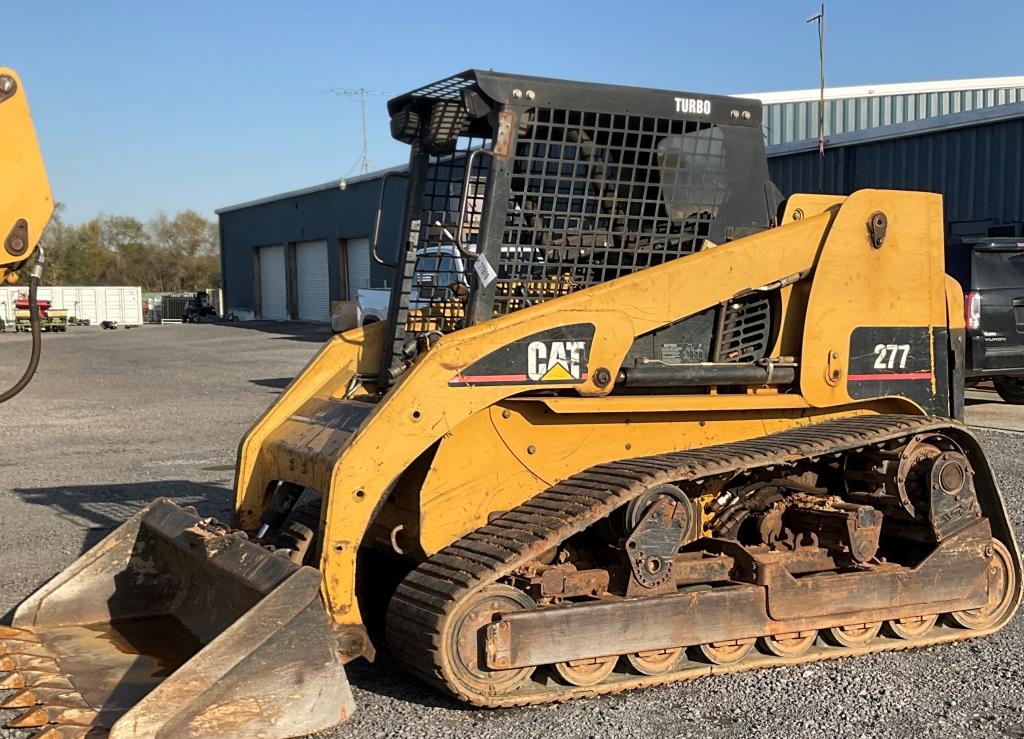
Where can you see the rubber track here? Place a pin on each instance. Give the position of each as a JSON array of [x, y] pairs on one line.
[[434, 590]]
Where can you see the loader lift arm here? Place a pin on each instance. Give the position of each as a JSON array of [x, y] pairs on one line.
[[25, 206]]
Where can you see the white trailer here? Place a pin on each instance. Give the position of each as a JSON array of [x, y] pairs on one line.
[[95, 303]]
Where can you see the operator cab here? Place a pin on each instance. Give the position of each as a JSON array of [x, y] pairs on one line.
[[524, 189]]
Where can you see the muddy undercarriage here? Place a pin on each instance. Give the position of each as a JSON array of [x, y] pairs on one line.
[[857, 536]]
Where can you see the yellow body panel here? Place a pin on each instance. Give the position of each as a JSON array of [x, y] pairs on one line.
[[327, 375], [954, 304], [901, 283], [528, 449], [431, 461], [25, 199]]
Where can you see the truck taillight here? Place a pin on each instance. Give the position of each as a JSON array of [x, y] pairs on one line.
[[972, 310]]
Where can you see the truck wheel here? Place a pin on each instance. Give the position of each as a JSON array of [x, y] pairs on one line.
[[1010, 389]]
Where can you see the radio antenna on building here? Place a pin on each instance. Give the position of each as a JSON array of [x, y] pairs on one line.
[[820, 18], [361, 93]]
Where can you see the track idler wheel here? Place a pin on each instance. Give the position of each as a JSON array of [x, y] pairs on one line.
[[788, 645], [913, 627], [1002, 590], [466, 639], [586, 672], [853, 635], [655, 662], [726, 652]]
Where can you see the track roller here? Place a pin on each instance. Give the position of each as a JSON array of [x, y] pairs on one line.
[[911, 628], [726, 652], [655, 662], [853, 635], [788, 645], [586, 672]]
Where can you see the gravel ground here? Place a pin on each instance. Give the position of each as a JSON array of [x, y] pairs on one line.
[[116, 418]]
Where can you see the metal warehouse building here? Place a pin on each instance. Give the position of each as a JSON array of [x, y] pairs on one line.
[[793, 116], [975, 159], [289, 256]]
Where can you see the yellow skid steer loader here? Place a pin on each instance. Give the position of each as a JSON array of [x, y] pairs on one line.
[[635, 421]]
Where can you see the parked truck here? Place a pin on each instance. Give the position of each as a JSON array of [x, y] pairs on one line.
[[991, 274]]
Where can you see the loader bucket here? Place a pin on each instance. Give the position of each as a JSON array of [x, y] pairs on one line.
[[174, 626]]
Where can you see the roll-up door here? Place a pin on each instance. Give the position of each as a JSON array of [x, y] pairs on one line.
[[312, 281], [358, 253], [273, 283]]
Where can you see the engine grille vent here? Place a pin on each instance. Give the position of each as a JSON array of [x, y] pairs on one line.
[[745, 328]]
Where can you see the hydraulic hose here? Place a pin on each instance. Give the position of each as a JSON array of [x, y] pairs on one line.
[[37, 331]]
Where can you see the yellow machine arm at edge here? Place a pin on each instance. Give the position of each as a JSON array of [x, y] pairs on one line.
[[25, 199]]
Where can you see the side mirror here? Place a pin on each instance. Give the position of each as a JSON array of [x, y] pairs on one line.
[[459, 289]]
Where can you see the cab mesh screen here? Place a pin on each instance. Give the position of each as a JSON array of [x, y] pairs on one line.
[[594, 196]]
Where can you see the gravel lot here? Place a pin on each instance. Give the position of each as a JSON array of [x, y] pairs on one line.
[[116, 418]]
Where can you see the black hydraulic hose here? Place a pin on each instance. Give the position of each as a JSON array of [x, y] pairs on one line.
[[37, 334]]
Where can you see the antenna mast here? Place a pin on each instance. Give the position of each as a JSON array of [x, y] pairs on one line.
[[361, 93], [820, 20]]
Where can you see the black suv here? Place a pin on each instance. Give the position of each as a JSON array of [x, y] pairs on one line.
[[991, 273]]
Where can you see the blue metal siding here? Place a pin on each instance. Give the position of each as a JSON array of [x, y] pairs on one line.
[[331, 215], [798, 121], [978, 169]]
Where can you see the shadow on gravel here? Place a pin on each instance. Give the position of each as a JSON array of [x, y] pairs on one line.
[[99, 509], [290, 330], [387, 678], [278, 383]]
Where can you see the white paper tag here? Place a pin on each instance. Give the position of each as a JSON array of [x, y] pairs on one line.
[[484, 270]]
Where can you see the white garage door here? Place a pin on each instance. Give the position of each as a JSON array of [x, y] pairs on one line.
[[312, 281], [358, 253], [273, 283]]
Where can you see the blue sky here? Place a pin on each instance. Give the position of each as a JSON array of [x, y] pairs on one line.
[[148, 106]]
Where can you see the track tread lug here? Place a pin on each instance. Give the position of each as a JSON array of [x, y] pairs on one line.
[[445, 574], [454, 560], [485, 546]]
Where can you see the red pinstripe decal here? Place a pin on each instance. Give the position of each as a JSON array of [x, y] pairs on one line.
[[511, 379], [892, 376], [467, 379]]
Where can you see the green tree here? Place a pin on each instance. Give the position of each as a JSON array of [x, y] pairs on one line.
[[190, 244], [89, 261], [56, 242], [178, 253], [133, 248], [187, 233]]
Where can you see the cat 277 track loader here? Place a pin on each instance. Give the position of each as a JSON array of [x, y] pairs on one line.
[[633, 419]]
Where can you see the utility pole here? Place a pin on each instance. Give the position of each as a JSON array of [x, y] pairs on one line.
[[820, 20], [361, 93]]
